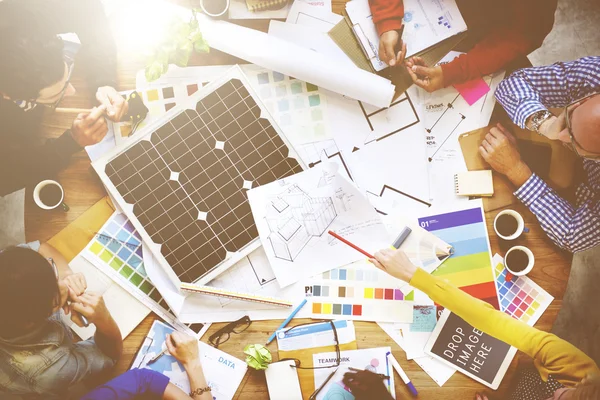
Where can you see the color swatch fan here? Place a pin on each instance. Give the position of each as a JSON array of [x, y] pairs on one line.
[[470, 266], [182, 180], [424, 249]]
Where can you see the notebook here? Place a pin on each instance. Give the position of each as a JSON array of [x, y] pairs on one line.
[[474, 183], [261, 5]]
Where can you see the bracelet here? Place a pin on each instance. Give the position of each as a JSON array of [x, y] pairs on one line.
[[200, 391]]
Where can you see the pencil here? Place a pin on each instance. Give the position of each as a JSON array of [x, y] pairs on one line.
[[355, 247]]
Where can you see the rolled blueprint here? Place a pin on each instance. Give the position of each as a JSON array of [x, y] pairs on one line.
[[290, 59]]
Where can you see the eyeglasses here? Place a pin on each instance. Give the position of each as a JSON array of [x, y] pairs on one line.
[[69, 52], [223, 334], [575, 146]]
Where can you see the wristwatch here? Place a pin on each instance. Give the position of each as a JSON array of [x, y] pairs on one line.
[[537, 119]]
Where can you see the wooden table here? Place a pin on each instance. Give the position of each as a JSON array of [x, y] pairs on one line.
[[83, 189]]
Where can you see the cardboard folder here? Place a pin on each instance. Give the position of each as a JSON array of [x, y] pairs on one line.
[[307, 376], [75, 237], [552, 161]]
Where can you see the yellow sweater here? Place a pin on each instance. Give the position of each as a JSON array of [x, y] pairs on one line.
[[551, 355]]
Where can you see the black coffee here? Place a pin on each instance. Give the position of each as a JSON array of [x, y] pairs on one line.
[[517, 260], [506, 225], [50, 195]]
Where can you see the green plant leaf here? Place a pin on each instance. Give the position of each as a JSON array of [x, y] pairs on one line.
[[154, 70], [201, 47]]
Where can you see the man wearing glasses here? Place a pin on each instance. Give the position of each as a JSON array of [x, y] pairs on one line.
[[526, 96], [35, 72]]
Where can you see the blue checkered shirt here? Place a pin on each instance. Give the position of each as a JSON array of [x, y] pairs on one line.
[[572, 227]]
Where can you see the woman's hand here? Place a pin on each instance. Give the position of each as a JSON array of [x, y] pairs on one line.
[[395, 263], [184, 348]]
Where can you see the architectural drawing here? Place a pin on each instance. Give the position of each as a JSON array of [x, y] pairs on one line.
[[385, 122], [294, 218]]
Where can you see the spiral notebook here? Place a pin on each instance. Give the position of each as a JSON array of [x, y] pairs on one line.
[[262, 5], [474, 183]]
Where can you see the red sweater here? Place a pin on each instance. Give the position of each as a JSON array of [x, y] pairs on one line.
[[504, 31]]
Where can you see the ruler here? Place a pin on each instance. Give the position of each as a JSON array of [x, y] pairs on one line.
[[211, 291]]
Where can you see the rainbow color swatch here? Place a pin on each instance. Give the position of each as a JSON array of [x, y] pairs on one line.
[[360, 292], [521, 298], [470, 266]]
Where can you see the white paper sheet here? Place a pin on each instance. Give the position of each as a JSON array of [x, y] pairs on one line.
[[426, 22], [310, 38], [394, 167], [438, 371], [282, 381], [224, 373], [292, 60], [308, 15], [443, 127], [126, 310], [239, 10], [293, 216], [12, 215], [374, 360], [252, 274]]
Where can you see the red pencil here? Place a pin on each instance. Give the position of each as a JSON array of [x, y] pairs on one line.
[[355, 247]]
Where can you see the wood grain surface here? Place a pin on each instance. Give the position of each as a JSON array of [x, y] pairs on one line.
[[83, 189]]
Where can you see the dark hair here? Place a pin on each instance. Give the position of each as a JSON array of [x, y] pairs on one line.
[[31, 57], [28, 289]]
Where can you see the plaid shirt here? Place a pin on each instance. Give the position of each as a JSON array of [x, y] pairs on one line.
[[572, 227]]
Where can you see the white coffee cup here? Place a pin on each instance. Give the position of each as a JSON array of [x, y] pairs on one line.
[[529, 266], [520, 224], [38, 201]]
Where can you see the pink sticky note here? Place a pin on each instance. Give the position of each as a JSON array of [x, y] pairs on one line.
[[473, 90]]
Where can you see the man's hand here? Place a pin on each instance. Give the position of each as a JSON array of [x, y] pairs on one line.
[[90, 305], [395, 263], [184, 348], [499, 149], [89, 129], [116, 106], [388, 43], [428, 78], [78, 284]]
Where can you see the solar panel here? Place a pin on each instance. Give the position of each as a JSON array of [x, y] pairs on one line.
[[183, 180]]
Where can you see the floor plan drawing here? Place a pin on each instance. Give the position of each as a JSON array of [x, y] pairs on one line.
[[294, 218]]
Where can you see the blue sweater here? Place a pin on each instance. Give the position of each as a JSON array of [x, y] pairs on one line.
[[133, 384]]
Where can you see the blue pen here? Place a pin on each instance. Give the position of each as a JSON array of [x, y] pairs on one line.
[[287, 321], [387, 369]]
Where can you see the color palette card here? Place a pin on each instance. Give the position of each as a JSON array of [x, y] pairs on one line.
[[359, 292], [116, 250], [159, 101], [470, 266], [521, 298], [300, 108]]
